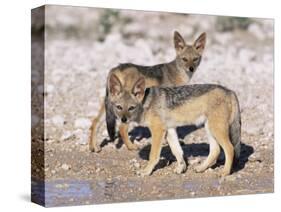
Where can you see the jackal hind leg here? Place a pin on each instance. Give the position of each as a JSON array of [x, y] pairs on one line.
[[213, 152], [95, 128], [219, 128]]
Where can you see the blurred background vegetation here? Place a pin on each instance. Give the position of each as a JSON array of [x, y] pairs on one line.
[[231, 23], [83, 23]]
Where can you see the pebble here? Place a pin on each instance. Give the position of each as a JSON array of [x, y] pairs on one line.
[[192, 193], [255, 157], [62, 185], [83, 140], [49, 141], [210, 170], [65, 167], [137, 165], [66, 135]]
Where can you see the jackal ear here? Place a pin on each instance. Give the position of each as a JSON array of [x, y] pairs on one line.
[[139, 89], [114, 85], [178, 41], [200, 43]]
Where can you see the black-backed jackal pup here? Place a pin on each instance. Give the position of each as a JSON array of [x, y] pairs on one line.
[[175, 73], [162, 109]]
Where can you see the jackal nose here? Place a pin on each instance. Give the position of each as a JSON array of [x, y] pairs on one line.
[[191, 69], [124, 119]]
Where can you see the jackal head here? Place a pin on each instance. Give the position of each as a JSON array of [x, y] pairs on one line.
[[188, 57], [126, 102]]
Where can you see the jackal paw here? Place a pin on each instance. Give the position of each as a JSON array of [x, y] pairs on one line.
[[224, 173], [144, 172], [133, 147], [94, 148], [200, 168], [181, 168]]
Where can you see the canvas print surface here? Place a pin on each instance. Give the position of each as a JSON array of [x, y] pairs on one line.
[[135, 105]]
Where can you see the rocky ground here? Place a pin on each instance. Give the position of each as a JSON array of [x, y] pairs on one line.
[[80, 50]]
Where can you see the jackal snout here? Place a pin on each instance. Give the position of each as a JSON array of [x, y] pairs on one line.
[[124, 119]]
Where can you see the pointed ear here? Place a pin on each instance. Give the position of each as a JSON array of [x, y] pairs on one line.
[[114, 85], [178, 41], [200, 43], [139, 89]]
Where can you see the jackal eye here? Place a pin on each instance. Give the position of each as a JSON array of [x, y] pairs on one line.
[[131, 108], [119, 107], [196, 59], [185, 59]]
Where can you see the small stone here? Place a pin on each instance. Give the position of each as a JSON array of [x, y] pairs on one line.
[[255, 157], [132, 161], [192, 193], [65, 167], [66, 135], [210, 170], [137, 165], [50, 141], [62, 185], [53, 171]]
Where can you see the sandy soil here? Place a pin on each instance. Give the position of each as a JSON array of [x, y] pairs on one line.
[[76, 69]]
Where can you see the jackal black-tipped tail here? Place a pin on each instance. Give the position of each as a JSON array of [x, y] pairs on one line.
[[235, 130]]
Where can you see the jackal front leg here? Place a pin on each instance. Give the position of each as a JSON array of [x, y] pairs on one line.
[[156, 145], [123, 130]]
